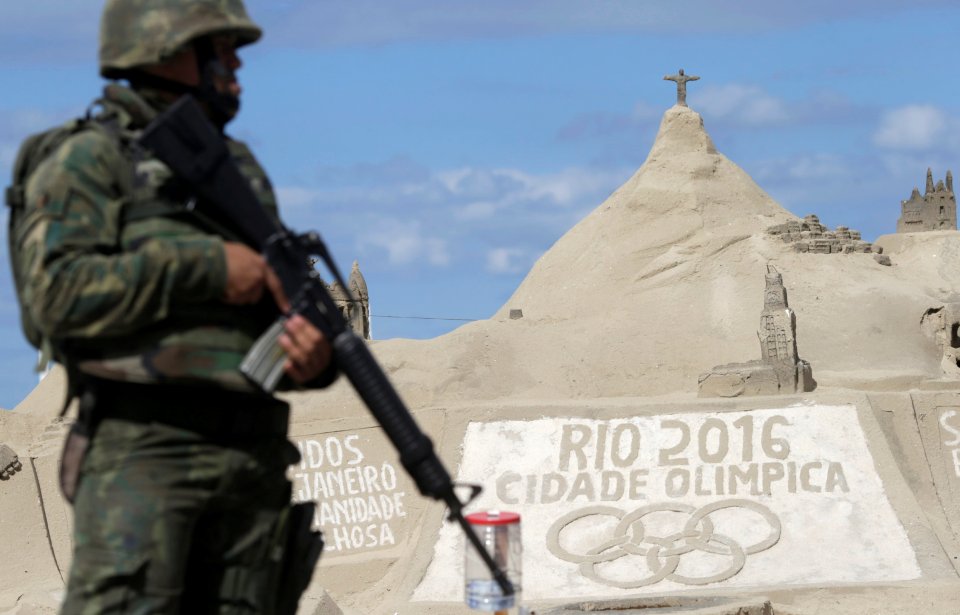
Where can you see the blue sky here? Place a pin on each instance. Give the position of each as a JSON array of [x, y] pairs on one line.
[[447, 145]]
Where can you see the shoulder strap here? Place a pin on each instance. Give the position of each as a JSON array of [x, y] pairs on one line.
[[35, 150]]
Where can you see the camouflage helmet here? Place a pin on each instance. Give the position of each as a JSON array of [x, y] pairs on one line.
[[136, 33]]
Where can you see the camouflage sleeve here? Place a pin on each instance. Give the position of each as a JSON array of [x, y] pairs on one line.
[[81, 283]]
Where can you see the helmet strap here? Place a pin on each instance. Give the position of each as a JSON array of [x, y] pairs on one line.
[[221, 104]]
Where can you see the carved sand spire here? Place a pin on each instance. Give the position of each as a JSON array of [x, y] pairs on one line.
[[360, 314], [780, 368], [353, 301]]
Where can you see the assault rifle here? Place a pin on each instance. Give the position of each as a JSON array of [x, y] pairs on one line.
[[187, 142]]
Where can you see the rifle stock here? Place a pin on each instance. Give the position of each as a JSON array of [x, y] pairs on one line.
[[185, 140]]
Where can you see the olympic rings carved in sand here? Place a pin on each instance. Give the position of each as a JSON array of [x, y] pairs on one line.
[[663, 553]]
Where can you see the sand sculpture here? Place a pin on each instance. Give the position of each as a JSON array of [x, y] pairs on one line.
[[681, 80], [810, 236], [936, 210], [633, 492], [779, 369], [9, 462], [942, 324], [355, 304]]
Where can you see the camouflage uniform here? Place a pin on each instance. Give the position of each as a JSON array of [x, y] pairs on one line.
[[117, 265], [182, 492], [171, 518]]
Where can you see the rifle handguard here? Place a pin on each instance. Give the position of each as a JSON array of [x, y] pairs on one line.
[[416, 449]]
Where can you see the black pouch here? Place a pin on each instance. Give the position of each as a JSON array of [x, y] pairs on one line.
[[301, 554], [74, 450], [75, 446]]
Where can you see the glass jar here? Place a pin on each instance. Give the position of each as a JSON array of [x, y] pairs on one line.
[[499, 533]]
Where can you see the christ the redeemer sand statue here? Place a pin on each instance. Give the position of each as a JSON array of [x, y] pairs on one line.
[[681, 80]]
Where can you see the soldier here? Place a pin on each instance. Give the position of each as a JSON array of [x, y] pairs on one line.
[[176, 464]]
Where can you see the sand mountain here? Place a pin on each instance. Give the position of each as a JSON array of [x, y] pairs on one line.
[[664, 280]]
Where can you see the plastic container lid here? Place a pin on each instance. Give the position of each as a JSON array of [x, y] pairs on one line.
[[493, 517]]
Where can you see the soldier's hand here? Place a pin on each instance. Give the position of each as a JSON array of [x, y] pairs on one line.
[[247, 274], [276, 289], [308, 351]]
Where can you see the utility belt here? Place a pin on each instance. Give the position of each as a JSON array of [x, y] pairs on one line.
[[219, 414]]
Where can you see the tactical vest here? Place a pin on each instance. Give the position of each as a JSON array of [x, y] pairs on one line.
[[203, 342]]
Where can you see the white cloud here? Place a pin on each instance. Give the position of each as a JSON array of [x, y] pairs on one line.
[[909, 168], [405, 242], [479, 210], [510, 189], [916, 127], [436, 252], [644, 112], [818, 166], [804, 168], [447, 217], [747, 105], [507, 260], [296, 196], [559, 189], [571, 185]]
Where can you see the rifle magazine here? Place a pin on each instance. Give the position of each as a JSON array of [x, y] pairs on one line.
[[263, 364]]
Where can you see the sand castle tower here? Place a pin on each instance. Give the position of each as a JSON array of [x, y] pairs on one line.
[[935, 210], [778, 337], [354, 305], [780, 369]]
